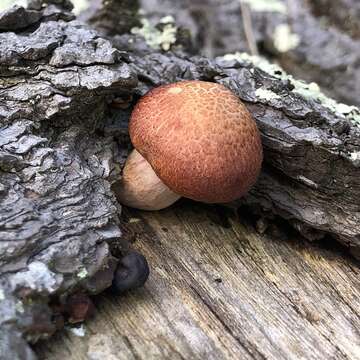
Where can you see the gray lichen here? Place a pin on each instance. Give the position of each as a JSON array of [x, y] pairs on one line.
[[37, 277], [158, 38], [310, 91], [82, 274], [266, 94], [284, 39]]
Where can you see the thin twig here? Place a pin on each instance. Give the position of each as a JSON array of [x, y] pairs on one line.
[[248, 28]]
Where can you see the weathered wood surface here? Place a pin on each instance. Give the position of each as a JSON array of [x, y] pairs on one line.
[[219, 290]]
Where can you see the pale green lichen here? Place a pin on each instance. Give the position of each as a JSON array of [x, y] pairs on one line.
[[37, 276], [355, 156], [266, 94], [82, 274], [355, 118], [306, 90], [267, 6], [168, 19], [257, 61], [80, 5], [5, 4], [284, 40], [2, 295], [158, 39], [19, 307]]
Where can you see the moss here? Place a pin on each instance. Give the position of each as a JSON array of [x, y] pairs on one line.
[[284, 39], [306, 90], [267, 5], [156, 38]]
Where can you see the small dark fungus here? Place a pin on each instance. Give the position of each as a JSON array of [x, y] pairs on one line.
[[131, 273]]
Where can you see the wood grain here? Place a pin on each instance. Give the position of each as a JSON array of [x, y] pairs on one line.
[[219, 290]]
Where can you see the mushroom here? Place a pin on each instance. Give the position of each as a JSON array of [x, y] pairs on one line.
[[194, 139]]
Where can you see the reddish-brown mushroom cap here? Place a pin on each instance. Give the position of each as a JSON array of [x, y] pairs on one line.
[[200, 140]]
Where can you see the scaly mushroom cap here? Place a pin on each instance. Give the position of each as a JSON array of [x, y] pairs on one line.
[[200, 140]]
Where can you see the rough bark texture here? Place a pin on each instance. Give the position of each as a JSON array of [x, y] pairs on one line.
[[61, 148], [222, 292], [328, 51], [58, 213]]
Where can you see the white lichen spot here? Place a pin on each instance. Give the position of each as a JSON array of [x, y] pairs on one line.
[[308, 91], [156, 38], [345, 109], [266, 94], [80, 5], [19, 307], [38, 276], [5, 4], [77, 330], [355, 156], [141, 12], [267, 6], [284, 39], [257, 61], [167, 19], [355, 117], [2, 295], [82, 274]]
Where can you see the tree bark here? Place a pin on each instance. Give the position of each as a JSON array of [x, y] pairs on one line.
[[58, 215]]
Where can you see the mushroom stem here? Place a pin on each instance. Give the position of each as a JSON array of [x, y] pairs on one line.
[[141, 188]]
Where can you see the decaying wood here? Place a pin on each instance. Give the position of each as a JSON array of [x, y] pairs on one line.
[[223, 292], [62, 147]]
